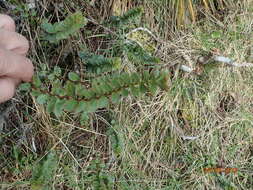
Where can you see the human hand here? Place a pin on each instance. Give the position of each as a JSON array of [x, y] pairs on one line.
[[14, 66]]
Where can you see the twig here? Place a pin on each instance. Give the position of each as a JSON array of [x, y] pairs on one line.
[[180, 131], [186, 68], [69, 152], [217, 58], [231, 62]]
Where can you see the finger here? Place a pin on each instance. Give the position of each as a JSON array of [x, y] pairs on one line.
[[7, 89], [7, 23], [13, 41], [15, 66]]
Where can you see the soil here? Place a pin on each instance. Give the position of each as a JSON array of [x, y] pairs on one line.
[[5, 109]]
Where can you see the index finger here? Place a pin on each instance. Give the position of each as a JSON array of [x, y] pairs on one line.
[[7, 86], [15, 66]]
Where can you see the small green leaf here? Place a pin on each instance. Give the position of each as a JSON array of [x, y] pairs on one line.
[[102, 102], [43, 74], [87, 93], [135, 78], [163, 81], [59, 91], [48, 27], [135, 91], [153, 88], [50, 105], [51, 77], [84, 118], [70, 105], [35, 93], [124, 78], [116, 62], [115, 97], [79, 89], [98, 90], [81, 107], [42, 99], [156, 74], [125, 92], [57, 71], [73, 76], [116, 83], [146, 75], [143, 88], [25, 87], [58, 107], [36, 81], [216, 34], [70, 88], [92, 106]]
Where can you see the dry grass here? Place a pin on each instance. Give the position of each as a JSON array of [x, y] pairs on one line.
[[215, 107]]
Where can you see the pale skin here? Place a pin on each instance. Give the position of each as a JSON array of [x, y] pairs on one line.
[[15, 67]]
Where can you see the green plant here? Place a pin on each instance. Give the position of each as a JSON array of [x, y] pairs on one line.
[[43, 172], [128, 17], [62, 30], [117, 139], [98, 63], [105, 82], [72, 95], [100, 180]]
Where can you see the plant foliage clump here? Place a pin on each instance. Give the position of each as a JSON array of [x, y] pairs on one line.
[[100, 179], [98, 63], [73, 95], [62, 30], [126, 18], [105, 82], [43, 173]]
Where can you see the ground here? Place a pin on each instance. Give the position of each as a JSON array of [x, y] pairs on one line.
[[165, 141]]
